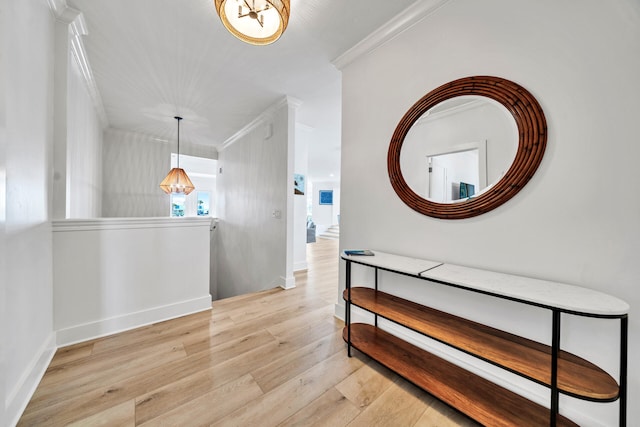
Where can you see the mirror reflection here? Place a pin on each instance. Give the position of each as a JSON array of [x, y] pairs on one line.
[[459, 148]]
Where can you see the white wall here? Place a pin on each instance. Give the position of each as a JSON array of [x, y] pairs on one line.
[[300, 203], [488, 126], [134, 164], [325, 215], [257, 180], [113, 274], [78, 121], [84, 149], [3, 209], [574, 222], [26, 329]]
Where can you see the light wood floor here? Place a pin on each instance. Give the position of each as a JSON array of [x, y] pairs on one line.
[[273, 358]]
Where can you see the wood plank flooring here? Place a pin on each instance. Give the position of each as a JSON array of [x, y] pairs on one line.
[[272, 358]]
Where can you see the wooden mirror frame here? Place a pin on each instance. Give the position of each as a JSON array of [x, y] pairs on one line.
[[532, 130]]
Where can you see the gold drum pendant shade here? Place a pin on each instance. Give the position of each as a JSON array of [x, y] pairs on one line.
[[257, 22], [177, 180]]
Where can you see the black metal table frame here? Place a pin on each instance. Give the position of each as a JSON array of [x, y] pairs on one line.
[[555, 338]]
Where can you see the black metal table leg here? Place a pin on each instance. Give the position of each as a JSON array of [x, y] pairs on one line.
[[376, 314], [348, 307], [555, 351], [622, 393]]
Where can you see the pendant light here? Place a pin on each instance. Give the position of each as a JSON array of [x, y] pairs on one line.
[[177, 180], [256, 22]]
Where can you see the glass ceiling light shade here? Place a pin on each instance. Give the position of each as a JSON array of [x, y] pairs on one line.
[[177, 180], [256, 22]]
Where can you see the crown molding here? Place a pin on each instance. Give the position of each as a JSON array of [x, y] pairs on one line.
[[74, 18], [57, 7], [261, 119], [80, 55], [401, 22]]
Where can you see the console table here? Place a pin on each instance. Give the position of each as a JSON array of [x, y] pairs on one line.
[[477, 397]]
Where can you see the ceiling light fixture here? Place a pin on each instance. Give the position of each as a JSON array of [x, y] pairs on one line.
[[177, 180], [256, 22]]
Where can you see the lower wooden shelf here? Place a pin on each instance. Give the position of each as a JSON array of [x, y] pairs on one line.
[[576, 377], [472, 395]]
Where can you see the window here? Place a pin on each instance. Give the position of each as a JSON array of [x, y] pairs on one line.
[[201, 201], [177, 204]]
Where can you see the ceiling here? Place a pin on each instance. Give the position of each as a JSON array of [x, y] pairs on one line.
[[154, 59]]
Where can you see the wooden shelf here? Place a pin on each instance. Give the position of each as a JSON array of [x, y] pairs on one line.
[[480, 399], [576, 376]]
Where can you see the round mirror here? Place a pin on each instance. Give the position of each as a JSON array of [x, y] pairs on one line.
[[459, 148], [467, 147]]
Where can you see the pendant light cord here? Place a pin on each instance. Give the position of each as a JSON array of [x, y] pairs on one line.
[[178, 119]]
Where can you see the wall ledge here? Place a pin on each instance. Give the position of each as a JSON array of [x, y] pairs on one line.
[[63, 225]]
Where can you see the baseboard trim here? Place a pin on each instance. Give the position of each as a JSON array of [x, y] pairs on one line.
[[287, 282], [20, 396], [338, 310], [300, 266], [113, 325]]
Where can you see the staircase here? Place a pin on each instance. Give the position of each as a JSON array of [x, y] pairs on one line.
[[332, 232]]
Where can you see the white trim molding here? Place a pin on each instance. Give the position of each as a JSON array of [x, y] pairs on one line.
[[77, 28], [261, 119], [401, 22], [128, 321], [57, 7], [19, 397], [284, 282], [126, 223], [301, 266]]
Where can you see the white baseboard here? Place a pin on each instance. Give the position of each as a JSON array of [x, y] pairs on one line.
[[287, 282], [128, 321], [338, 310], [300, 266], [19, 397]]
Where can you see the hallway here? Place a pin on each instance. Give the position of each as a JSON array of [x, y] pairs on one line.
[[270, 358]]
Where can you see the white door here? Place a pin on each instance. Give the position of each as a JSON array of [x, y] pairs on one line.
[[437, 183]]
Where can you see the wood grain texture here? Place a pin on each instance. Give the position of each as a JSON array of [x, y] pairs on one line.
[[269, 358], [401, 404], [480, 399], [122, 415], [532, 130], [329, 410], [367, 384], [576, 376]]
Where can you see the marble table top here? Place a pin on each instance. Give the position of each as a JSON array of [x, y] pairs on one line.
[[540, 292], [402, 264]]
